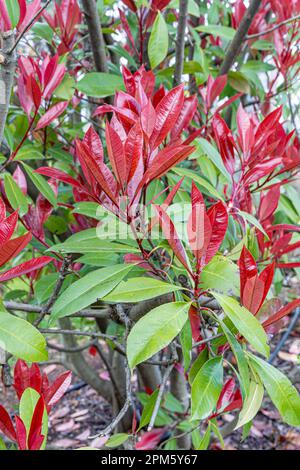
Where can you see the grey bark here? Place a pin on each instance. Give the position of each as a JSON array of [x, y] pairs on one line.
[[96, 35], [180, 43], [239, 37], [7, 71]]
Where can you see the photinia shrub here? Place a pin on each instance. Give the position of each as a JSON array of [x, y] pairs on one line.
[[149, 214]]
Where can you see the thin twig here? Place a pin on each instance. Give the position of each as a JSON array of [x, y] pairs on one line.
[[36, 16], [239, 37], [270, 30], [162, 389], [61, 277]]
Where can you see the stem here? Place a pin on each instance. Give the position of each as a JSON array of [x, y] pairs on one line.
[[180, 44], [239, 37]]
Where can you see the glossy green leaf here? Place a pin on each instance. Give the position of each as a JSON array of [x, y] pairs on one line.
[[14, 194], [241, 360], [251, 404], [21, 339], [199, 180], [82, 293], [158, 41], [245, 322], [206, 388], [208, 149], [281, 391], [13, 10], [155, 331], [217, 30], [100, 84], [253, 221], [137, 289], [116, 440], [41, 184], [148, 410], [222, 275]]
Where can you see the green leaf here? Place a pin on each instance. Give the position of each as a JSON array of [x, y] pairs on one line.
[[14, 194], [205, 439], [245, 322], [197, 364], [65, 89], [251, 404], [256, 66], [100, 84], [155, 331], [253, 221], [221, 274], [208, 149], [41, 184], [206, 388], [148, 410], [262, 45], [199, 180], [13, 10], [240, 359], [117, 440], [217, 30], [239, 82], [21, 339], [44, 287], [28, 152], [282, 393], [158, 41], [82, 293], [137, 289]]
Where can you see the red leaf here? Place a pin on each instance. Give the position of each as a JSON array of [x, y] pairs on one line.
[[58, 388], [133, 150], [266, 127], [245, 131], [13, 247], [214, 89], [24, 268], [93, 141], [199, 226], [186, 115], [282, 313], [6, 424], [7, 228], [288, 265], [5, 16], [150, 439], [226, 393], [172, 236], [20, 179], [268, 203], [60, 176], [35, 439], [195, 322], [218, 217], [52, 113], [116, 154], [2, 211], [148, 118], [167, 112], [247, 266], [21, 433], [224, 141], [164, 160], [94, 169]]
